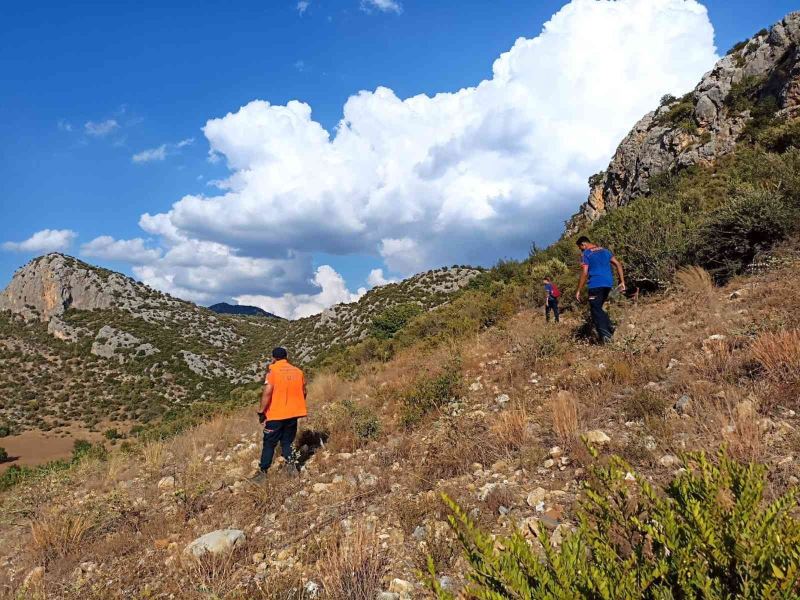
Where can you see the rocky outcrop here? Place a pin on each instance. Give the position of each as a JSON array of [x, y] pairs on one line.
[[47, 286], [211, 368], [703, 125], [112, 343]]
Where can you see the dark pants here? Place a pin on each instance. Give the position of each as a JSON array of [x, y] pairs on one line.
[[552, 304], [282, 431], [598, 297]]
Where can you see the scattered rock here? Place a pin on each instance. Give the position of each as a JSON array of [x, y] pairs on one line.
[[166, 483], [312, 589], [475, 386], [216, 542], [597, 436], [401, 586], [555, 452], [502, 399], [536, 497], [669, 461], [683, 404]]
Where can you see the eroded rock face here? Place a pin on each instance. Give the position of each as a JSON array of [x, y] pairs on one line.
[[49, 285], [657, 144], [110, 343]]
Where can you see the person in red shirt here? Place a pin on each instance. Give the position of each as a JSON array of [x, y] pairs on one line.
[[283, 402]]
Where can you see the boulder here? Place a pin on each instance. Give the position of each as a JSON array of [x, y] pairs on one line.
[[597, 436], [536, 497], [217, 542]]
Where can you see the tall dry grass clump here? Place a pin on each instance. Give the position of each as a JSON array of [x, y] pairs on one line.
[[154, 455], [511, 429], [564, 407], [327, 388], [56, 533], [695, 281], [778, 353], [352, 567]]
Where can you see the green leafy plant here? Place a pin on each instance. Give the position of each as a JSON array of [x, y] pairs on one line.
[[709, 534], [431, 391]]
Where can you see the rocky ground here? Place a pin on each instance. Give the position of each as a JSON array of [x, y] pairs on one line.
[[695, 369]]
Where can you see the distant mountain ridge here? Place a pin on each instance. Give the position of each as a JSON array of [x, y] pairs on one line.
[[223, 308], [82, 344]]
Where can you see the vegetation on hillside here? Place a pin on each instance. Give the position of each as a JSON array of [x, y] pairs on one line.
[[709, 534]]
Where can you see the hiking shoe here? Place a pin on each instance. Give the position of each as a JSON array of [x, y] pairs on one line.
[[259, 478]]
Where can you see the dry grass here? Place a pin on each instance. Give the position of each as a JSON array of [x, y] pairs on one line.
[[512, 430], [564, 406], [727, 418], [695, 281], [327, 388], [352, 567], [154, 456], [778, 353], [57, 533]]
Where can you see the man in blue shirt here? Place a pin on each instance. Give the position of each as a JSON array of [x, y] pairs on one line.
[[596, 263]]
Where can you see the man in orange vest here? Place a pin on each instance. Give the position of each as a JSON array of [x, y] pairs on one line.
[[282, 403]]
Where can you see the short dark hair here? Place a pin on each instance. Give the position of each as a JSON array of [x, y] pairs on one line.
[[583, 240], [546, 278], [279, 353]]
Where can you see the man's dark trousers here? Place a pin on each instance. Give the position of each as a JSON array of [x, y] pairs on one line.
[[283, 431], [552, 304], [598, 297]]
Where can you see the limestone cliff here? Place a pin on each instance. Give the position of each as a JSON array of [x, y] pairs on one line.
[[761, 75]]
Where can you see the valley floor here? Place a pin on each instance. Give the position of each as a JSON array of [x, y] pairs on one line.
[[689, 370]]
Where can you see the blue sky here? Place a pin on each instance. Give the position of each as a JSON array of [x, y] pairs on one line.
[[86, 86]]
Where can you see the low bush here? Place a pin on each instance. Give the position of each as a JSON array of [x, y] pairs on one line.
[[430, 392], [709, 534]]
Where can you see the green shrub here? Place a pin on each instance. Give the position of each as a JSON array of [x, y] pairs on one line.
[[393, 319], [112, 434], [732, 235], [3, 455], [710, 534], [430, 392], [363, 422], [781, 137], [738, 46]]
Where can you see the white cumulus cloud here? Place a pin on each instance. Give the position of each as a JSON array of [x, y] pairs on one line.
[[302, 6], [133, 251], [332, 290], [382, 5], [100, 128], [377, 278], [458, 177], [46, 240]]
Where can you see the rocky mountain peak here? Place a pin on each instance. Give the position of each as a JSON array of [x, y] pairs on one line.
[[757, 78], [50, 284]]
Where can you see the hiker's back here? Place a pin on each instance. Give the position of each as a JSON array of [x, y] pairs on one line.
[[599, 262], [288, 395]]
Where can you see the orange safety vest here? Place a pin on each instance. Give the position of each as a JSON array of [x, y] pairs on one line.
[[288, 398]]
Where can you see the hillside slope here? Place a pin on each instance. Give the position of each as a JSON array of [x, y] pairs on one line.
[[81, 345], [501, 441]]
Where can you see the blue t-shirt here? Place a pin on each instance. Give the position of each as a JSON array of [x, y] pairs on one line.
[[599, 262], [548, 287]]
